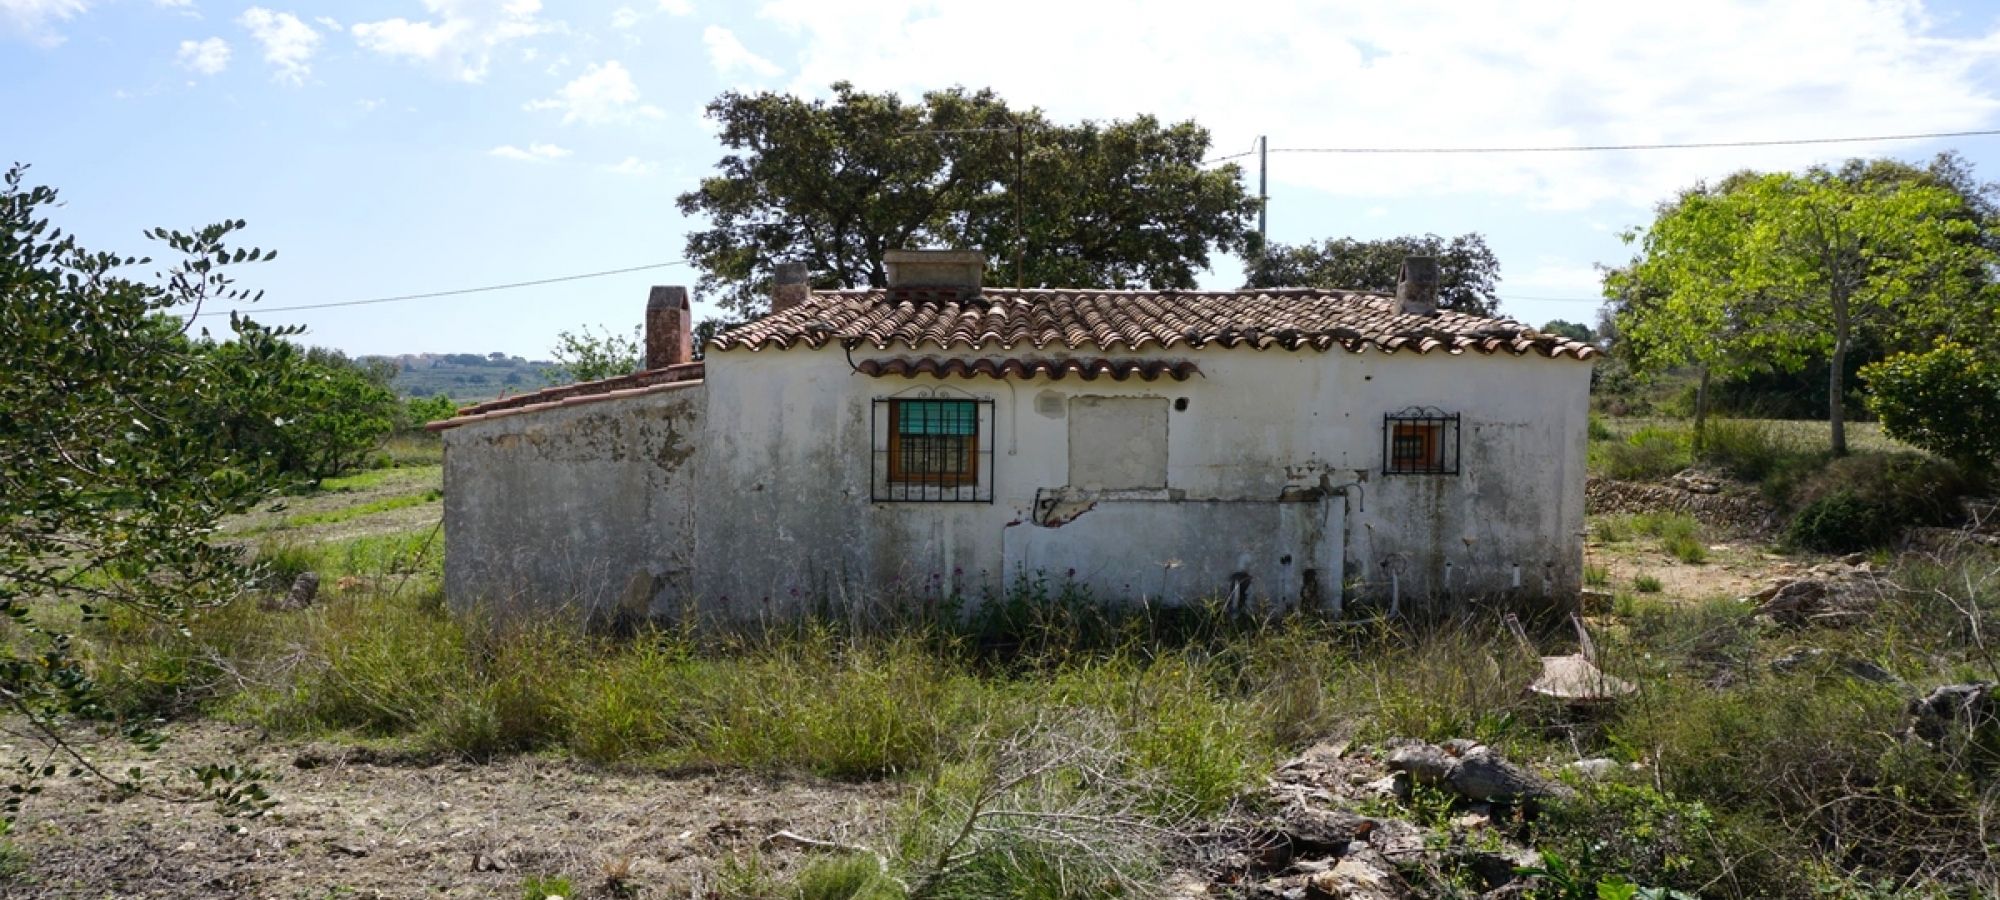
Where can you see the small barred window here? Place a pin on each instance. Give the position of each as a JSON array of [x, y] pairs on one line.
[[1420, 441]]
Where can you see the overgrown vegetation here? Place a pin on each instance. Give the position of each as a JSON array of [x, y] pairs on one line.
[[1131, 725]]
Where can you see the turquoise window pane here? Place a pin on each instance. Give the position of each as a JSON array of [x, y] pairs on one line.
[[950, 417]]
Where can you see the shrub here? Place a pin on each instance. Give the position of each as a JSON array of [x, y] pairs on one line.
[[1651, 452], [1946, 401], [1869, 500], [1647, 584], [1612, 529], [1751, 449]]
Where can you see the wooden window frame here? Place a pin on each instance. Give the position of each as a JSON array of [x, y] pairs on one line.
[[1438, 436], [969, 447]]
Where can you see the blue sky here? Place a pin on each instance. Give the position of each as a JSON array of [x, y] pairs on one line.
[[389, 147]]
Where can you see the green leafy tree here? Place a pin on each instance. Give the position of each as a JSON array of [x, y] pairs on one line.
[[587, 356], [836, 183], [1468, 272], [107, 496], [1575, 331], [1785, 269], [1946, 401], [307, 414]]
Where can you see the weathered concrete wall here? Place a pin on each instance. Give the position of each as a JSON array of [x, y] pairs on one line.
[[587, 509], [787, 514]]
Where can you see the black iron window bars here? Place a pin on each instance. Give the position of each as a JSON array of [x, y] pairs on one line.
[[1420, 440]]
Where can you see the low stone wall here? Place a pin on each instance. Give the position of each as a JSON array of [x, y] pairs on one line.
[[1738, 514]]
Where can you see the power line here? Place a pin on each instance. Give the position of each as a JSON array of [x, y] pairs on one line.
[[476, 290], [1621, 147]]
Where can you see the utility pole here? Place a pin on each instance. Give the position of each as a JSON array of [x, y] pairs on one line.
[[1263, 194], [1020, 248]]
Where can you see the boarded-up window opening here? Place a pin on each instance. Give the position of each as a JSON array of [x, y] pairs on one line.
[[1420, 441], [934, 450], [1118, 443]]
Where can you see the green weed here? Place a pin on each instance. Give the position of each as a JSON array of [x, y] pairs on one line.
[[543, 887], [1648, 453], [1646, 584], [1595, 575]]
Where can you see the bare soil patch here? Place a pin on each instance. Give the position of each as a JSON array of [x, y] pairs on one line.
[[357, 823], [1734, 569]]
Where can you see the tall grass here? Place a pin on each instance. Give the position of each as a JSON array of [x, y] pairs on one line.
[[1751, 776]]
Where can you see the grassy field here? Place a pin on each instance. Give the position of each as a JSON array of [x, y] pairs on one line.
[[1748, 780]]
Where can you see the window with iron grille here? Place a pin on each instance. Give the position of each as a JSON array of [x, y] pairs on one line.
[[933, 447], [1420, 440]]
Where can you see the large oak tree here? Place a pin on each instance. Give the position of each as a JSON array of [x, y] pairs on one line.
[[837, 182], [1468, 272]]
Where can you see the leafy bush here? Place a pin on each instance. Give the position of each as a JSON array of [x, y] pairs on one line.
[[1751, 449], [1946, 401], [588, 356], [331, 412], [1651, 452], [1869, 500], [420, 411]]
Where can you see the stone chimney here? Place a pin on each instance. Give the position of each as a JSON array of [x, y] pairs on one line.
[[1417, 289], [789, 288], [935, 268], [669, 328]]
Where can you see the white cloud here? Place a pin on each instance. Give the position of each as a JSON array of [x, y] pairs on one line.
[[331, 24], [536, 153], [31, 18], [288, 42], [174, 4], [1319, 73], [461, 36], [208, 57], [601, 95], [677, 7], [728, 54], [369, 106], [624, 17], [631, 166]]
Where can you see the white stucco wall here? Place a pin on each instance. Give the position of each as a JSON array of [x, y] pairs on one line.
[[588, 510], [785, 483]]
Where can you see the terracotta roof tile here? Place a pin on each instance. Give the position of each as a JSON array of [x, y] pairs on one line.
[[1004, 318], [1056, 369]]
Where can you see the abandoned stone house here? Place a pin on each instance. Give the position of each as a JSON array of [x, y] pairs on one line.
[[1271, 448]]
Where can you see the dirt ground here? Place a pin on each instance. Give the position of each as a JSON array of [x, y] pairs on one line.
[[1734, 569], [351, 823]]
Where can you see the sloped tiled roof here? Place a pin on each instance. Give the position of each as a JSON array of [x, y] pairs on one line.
[[1005, 318], [1053, 369], [581, 392]]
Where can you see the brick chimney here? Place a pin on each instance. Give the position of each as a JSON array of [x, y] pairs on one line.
[[669, 328], [1417, 288], [789, 288], [935, 268]]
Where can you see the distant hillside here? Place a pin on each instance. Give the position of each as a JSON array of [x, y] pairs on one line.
[[466, 377]]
